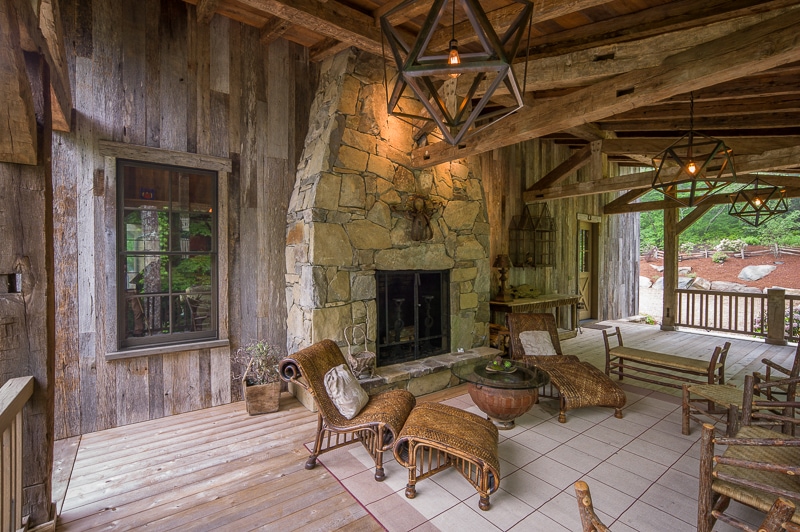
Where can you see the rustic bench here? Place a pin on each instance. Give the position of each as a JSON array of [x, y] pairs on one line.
[[661, 368]]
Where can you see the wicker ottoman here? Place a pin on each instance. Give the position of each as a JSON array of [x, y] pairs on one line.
[[437, 436]]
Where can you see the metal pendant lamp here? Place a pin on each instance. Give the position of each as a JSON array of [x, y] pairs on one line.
[[690, 170], [452, 83], [757, 202]]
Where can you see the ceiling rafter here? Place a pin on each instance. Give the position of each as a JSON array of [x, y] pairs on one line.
[[754, 49]]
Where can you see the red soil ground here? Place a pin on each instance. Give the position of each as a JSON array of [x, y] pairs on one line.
[[786, 275]]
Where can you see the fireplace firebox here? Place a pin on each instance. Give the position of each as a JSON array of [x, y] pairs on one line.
[[413, 315]]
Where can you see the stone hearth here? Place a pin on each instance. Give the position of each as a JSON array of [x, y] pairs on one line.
[[350, 215]]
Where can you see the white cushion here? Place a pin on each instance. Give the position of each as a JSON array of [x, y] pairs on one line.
[[345, 391], [537, 343]]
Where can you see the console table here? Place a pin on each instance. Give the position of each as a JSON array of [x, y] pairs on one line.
[[542, 303]]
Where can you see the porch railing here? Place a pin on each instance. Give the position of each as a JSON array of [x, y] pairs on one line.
[[743, 313], [13, 396]]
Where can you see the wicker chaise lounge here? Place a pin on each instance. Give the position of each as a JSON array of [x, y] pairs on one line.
[[577, 384], [376, 426]]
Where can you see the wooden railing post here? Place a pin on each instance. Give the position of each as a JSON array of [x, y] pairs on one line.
[[670, 304], [776, 314]]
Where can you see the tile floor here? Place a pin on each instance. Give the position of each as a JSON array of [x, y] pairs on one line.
[[642, 473]]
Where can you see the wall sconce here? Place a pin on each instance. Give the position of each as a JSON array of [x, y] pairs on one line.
[[454, 82], [758, 204], [503, 263], [696, 156]]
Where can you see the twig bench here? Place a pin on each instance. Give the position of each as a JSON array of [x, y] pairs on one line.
[[650, 366]]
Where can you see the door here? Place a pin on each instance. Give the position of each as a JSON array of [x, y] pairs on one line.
[[585, 261]]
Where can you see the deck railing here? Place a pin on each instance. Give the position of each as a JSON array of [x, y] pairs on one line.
[[743, 313], [13, 396]]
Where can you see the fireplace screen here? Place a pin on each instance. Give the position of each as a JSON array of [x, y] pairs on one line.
[[413, 315]]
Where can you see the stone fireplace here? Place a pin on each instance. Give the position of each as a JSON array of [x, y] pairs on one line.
[[358, 208]]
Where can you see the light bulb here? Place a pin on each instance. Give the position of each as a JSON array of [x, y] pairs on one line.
[[691, 167], [757, 202], [453, 59]]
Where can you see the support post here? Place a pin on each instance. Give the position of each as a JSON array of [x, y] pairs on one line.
[[776, 314], [670, 305]]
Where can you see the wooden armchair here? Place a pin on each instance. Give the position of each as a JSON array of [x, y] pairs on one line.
[[574, 383], [376, 426], [589, 520], [758, 465], [788, 392]]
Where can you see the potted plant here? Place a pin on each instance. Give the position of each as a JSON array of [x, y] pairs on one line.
[[261, 382]]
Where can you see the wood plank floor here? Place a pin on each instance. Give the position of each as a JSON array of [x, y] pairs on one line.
[[220, 469]]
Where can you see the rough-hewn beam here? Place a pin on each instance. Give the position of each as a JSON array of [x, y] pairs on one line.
[[741, 53], [206, 10], [18, 139], [716, 108], [330, 18], [43, 29], [578, 160], [766, 120], [654, 146], [659, 205], [326, 48], [764, 162], [273, 30], [692, 217]]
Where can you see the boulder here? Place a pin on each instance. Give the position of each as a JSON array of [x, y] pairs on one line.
[[754, 273], [724, 286], [701, 284], [683, 270], [685, 282], [657, 268], [645, 282], [659, 284]]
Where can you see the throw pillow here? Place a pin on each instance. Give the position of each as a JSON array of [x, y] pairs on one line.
[[345, 391], [537, 343]]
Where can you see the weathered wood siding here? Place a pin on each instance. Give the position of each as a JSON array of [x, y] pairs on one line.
[[147, 73], [508, 172], [26, 299]]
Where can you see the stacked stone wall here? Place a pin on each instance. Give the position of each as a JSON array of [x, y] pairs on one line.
[[348, 215]]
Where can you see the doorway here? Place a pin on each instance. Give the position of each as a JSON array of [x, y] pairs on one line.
[[587, 270]]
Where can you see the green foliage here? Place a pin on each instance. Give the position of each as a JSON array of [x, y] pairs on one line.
[[735, 245], [687, 247], [719, 257]]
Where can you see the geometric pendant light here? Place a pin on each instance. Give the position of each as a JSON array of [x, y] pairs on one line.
[[450, 81], [758, 202], [689, 170]]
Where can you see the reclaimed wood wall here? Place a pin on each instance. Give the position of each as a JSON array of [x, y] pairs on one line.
[[508, 172], [26, 299], [149, 74]]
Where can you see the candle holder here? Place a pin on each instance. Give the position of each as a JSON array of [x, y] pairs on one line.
[[503, 263]]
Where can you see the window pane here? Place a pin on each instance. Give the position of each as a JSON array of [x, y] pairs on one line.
[[147, 274], [145, 186], [147, 316], [191, 272], [191, 231], [145, 230], [199, 306]]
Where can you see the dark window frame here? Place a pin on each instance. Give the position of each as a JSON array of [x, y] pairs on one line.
[[122, 254]]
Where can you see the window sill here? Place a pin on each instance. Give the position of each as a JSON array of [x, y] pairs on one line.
[[166, 349]]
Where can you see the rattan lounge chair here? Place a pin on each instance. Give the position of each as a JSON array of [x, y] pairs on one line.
[[757, 466], [376, 426], [576, 384]]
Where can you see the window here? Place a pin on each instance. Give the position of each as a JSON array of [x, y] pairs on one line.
[[166, 254]]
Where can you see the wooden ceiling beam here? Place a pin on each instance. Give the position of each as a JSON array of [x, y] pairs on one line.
[[769, 84], [331, 19], [716, 108], [273, 30], [43, 30], [578, 160], [767, 161], [741, 53], [654, 146], [703, 124], [716, 199], [326, 48]]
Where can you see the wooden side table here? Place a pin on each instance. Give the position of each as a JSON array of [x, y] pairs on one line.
[[542, 303]]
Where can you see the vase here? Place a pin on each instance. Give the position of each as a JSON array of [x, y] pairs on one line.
[[261, 398]]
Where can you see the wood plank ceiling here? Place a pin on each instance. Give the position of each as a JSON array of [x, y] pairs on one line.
[[615, 71]]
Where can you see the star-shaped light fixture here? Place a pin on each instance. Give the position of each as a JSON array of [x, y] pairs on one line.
[[690, 170], [453, 82], [757, 202]]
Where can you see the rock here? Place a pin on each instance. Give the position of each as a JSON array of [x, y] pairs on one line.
[[461, 214], [657, 268], [367, 235], [701, 284], [645, 282], [754, 273], [685, 282], [683, 270], [659, 284], [724, 286]]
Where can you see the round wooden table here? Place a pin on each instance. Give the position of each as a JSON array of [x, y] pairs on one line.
[[503, 396]]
